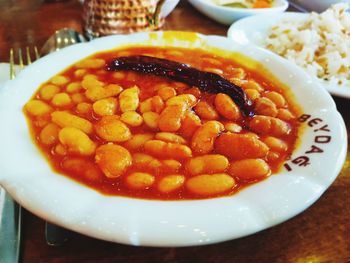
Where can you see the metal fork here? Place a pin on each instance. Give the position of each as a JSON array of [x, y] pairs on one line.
[[55, 235], [21, 60], [10, 211]]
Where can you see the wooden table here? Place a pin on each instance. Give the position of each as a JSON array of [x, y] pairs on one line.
[[320, 234]]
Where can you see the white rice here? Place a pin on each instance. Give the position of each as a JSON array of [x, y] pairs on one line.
[[319, 43]]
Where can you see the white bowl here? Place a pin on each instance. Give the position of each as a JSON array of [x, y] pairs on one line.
[[316, 5], [254, 31], [27, 176], [227, 15]]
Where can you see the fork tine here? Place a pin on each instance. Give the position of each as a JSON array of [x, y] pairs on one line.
[[20, 58], [29, 60], [37, 56], [12, 65]]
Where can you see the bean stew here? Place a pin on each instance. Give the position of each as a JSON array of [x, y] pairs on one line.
[[140, 135]]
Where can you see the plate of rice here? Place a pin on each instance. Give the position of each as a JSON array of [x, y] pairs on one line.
[[319, 43]]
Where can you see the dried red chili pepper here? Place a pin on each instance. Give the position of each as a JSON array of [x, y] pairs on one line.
[[206, 81]]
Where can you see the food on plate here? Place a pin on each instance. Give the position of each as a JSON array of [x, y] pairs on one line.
[[320, 43], [244, 3], [205, 81], [163, 123]]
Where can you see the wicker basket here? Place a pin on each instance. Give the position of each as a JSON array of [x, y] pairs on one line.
[[106, 17]]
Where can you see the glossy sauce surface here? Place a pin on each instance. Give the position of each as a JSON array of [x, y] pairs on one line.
[[86, 168]]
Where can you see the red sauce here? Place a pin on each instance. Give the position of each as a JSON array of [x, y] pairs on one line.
[[148, 85]]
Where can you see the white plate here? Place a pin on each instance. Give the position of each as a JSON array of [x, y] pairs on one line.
[[227, 15], [253, 30], [28, 177]]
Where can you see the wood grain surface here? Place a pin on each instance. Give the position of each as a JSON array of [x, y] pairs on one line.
[[319, 234]]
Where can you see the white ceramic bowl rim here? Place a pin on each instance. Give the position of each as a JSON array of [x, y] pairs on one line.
[[29, 179], [227, 15], [279, 4]]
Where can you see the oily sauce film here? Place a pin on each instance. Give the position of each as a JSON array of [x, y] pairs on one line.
[[139, 135]]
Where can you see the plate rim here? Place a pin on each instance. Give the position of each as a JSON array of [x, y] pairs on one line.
[[192, 232]]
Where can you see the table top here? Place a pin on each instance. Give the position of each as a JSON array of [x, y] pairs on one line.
[[319, 234]]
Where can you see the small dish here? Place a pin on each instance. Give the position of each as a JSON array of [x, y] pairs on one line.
[[227, 15], [254, 30], [312, 167]]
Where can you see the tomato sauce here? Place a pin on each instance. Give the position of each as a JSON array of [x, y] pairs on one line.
[[87, 172]]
